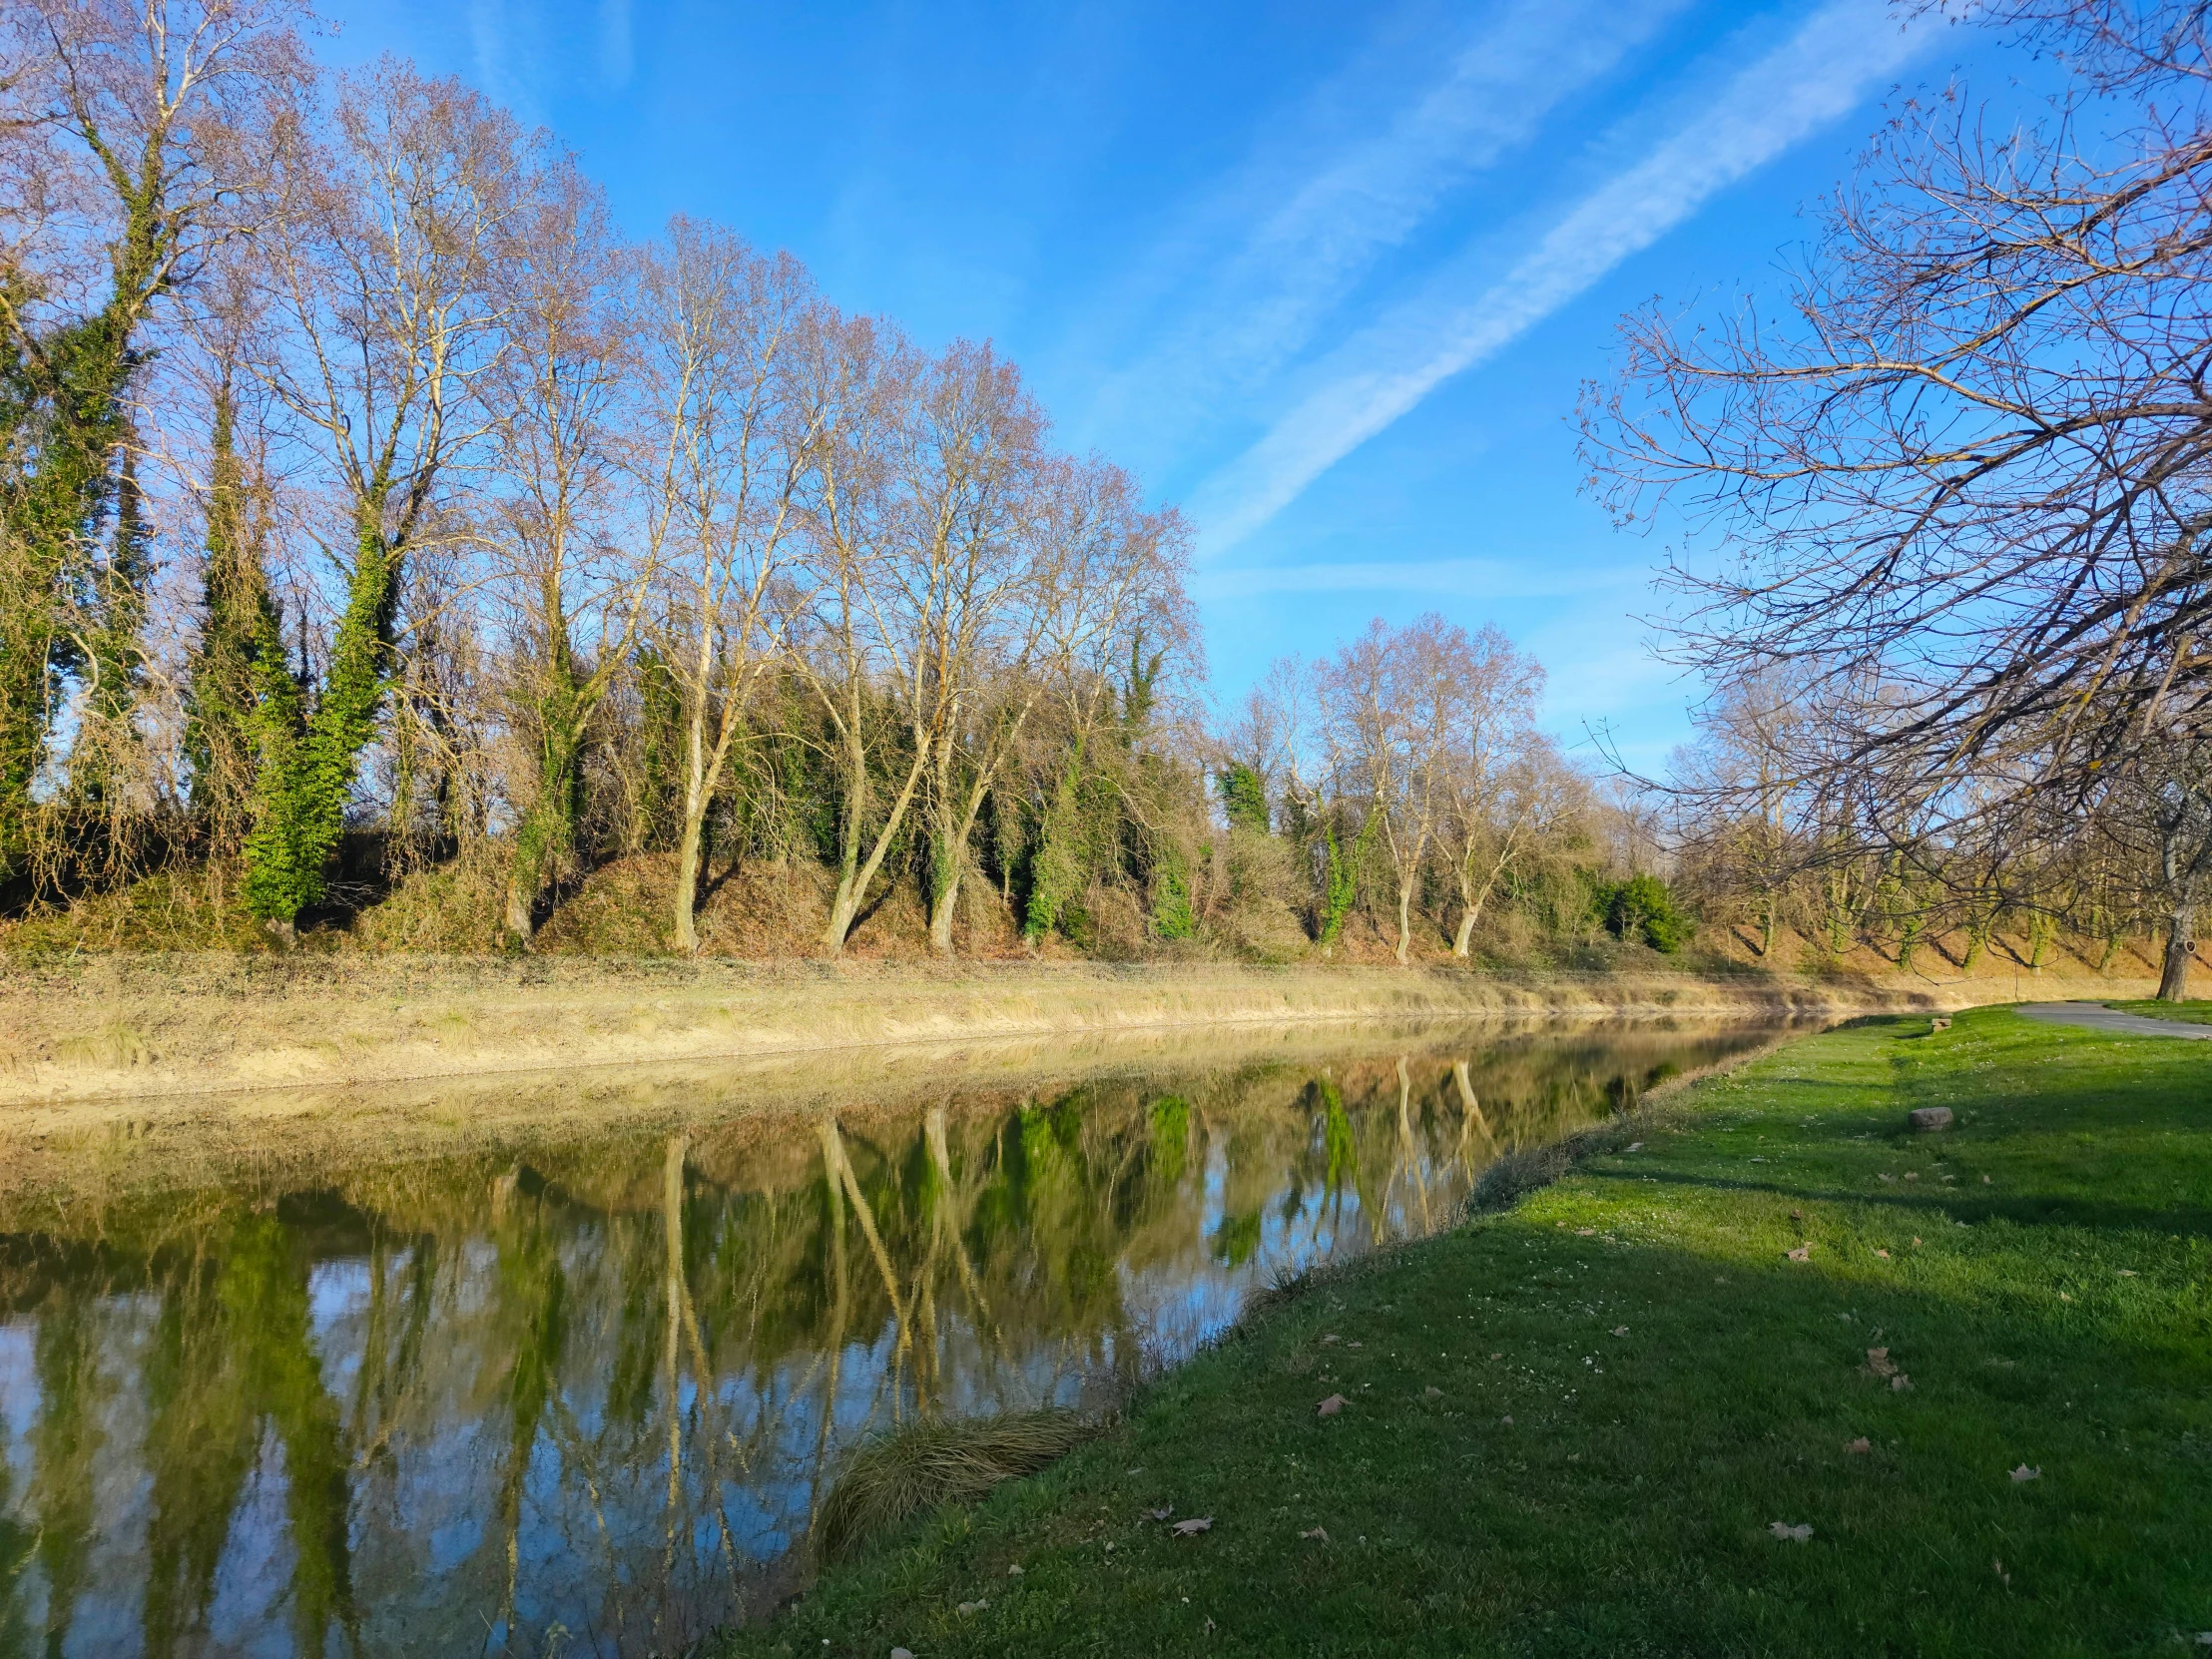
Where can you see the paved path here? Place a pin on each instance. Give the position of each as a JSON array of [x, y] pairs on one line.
[[2111, 1019]]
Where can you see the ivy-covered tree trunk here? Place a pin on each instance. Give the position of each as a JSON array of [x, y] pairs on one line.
[[65, 428], [113, 653], [1056, 868], [548, 829], [547, 834], [240, 627], [308, 765], [1340, 878], [66, 404]]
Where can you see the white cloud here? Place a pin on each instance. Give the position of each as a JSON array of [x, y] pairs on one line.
[[1817, 75], [1267, 259]]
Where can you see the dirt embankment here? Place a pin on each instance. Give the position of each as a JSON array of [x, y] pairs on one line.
[[148, 1027]]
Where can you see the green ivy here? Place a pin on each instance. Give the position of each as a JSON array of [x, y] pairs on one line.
[[1243, 799], [1340, 876], [1171, 913], [308, 765]]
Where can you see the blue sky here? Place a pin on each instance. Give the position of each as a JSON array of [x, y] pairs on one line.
[[1326, 274]]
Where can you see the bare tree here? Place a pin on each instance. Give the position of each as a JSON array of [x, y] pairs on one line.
[[560, 560], [862, 377], [1503, 787], [1960, 476], [1396, 704], [735, 429], [977, 547], [2159, 813]]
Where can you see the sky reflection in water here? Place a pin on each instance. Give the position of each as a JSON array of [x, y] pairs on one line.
[[582, 1404]]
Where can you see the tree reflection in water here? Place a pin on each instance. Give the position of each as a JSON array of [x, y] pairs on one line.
[[584, 1404]]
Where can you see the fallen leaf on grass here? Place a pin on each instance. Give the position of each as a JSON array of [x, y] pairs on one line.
[[1901, 1383], [1160, 1514], [2129, 1273], [1860, 1445], [1584, 1231], [1883, 1254], [1620, 1330], [1795, 1534], [1432, 1392], [1506, 1421], [1878, 1362], [1331, 1406], [1318, 1532], [1326, 1341], [1193, 1527], [2024, 1472], [1014, 1571], [1635, 1146], [1915, 1244], [967, 1609], [902, 1653], [1803, 1253]]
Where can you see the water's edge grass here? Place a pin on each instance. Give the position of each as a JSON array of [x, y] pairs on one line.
[[1572, 1425]]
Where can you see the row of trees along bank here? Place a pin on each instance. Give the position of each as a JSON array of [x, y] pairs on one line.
[[376, 513], [390, 546]]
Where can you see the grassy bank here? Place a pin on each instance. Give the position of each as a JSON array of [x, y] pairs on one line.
[[1571, 1428]]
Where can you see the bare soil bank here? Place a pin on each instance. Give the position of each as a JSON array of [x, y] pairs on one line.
[[139, 1029]]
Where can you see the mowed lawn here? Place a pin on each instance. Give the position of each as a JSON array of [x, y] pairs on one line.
[[1571, 1429]]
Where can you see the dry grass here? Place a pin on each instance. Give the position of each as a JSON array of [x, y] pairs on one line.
[[210, 1024], [924, 1464]]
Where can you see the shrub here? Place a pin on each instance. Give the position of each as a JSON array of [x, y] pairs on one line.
[[1643, 908]]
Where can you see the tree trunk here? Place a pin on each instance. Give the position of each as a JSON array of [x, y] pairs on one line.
[[949, 857], [695, 821], [548, 829], [847, 900], [1404, 922], [853, 888], [2181, 949], [1462, 941]]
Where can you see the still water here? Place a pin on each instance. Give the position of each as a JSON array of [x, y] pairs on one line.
[[584, 1399]]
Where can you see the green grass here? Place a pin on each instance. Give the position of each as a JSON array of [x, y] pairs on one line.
[[2055, 1313], [2196, 1013]]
